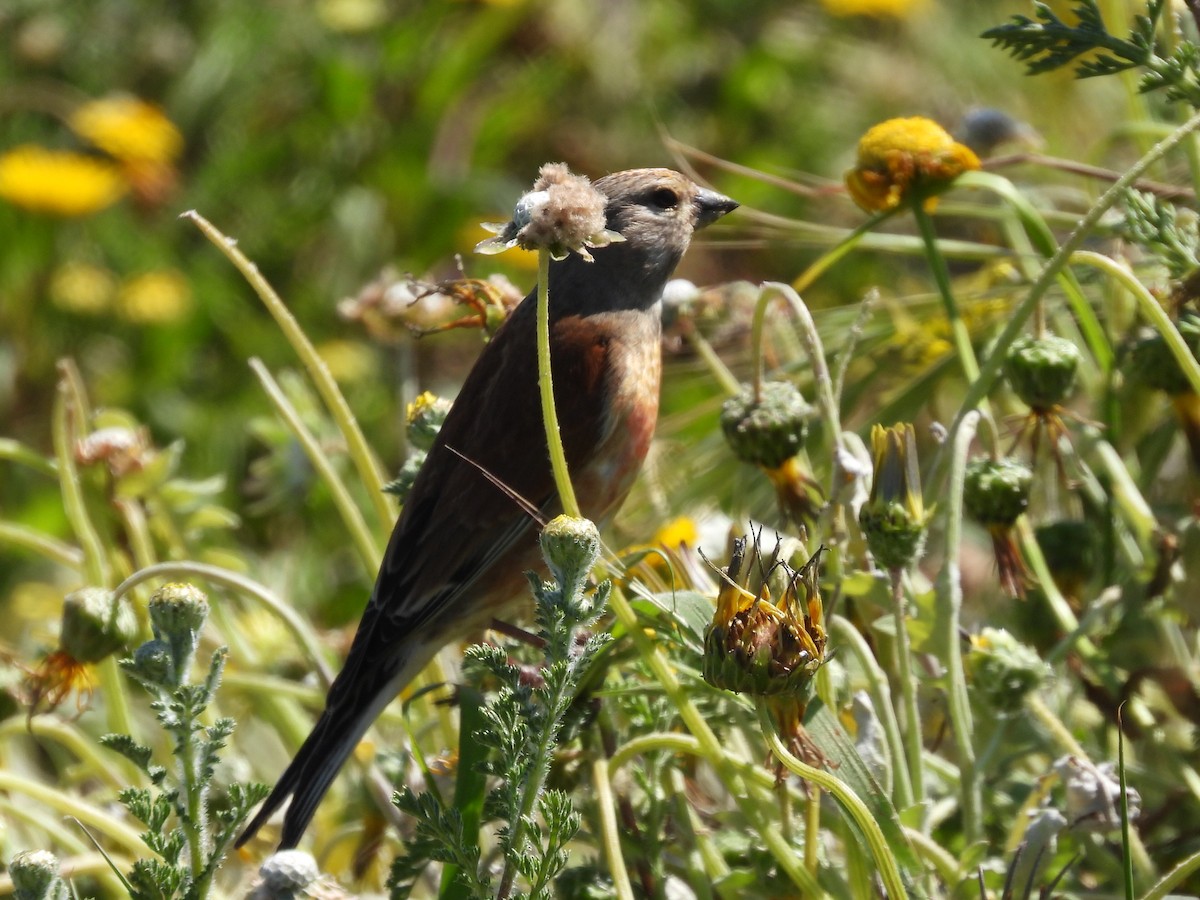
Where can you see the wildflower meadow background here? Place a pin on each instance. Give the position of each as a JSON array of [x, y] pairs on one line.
[[906, 600]]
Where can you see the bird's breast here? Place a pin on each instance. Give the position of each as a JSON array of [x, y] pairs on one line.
[[623, 370]]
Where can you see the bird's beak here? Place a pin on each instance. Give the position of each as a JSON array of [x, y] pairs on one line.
[[712, 206]]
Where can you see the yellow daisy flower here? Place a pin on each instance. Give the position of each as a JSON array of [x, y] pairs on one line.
[[155, 298], [902, 158], [58, 182], [128, 128]]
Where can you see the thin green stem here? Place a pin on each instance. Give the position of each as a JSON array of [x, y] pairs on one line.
[[360, 452], [812, 830], [822, 381], [89, 815], [949, 610], [193, 797], [990, 371], [851, 640], [1149, 307], [908, 687], [44, 545], [216, 575], [369, 551], [609, 836], [16, 452], [1173, 879], [70, 738], [710, 748], [889, 871], [958, 328], [65, 421], [830, 257], [1043, 240], [558, 458], [716, 366]]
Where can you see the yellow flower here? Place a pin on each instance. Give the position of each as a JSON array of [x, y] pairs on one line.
[[901, 159], [129, 129], [155, 298], [82, 288], [58, 182], [761, 646], [677, 533], [897, 8], [895, 518]]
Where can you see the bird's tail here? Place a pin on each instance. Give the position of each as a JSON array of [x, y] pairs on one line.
[[316, 764]]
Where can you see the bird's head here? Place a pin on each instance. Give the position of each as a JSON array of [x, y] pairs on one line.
[[656, 211]]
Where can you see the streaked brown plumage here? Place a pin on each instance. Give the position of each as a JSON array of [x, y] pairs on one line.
[[458, 552]]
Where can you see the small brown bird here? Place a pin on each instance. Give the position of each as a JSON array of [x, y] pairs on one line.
[[457, 556]]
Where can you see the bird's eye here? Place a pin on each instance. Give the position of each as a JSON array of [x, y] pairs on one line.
[[665, 198]]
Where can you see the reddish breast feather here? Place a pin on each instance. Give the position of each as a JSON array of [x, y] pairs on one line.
[[628, 352]]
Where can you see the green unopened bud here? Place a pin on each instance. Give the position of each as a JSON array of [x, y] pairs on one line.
[[177, 613], [996, 492], [1072, 551], [1003, 670], [758, 646], [152, 663], [1042, 370], [894, 519], [425, 417], [770, 430], [35, 876], [1153, 363], [571, 547], [94, 625]]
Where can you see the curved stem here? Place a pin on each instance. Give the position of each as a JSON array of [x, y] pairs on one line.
[[609, 836], [908, 687], [949, 609], [558, 458], [72, 806], [1149, 307], [70, 738], [44, 545], [822, 381], [990, 370], [323, 380], [889, 872], [240, 583], [710, 748], [364, 541], [958, 328], [852, 640]]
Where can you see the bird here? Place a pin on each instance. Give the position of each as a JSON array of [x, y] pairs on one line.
[[458, 553]]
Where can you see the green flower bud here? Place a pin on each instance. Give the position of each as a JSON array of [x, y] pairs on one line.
[[1152, 362], [35, 876], [894, 519], [1042, 370], [94, 625], [761, 647], [1003, 670], [1072, 551], [996, 492], [425, 417], [770, 431], [177, 613], [571, 547], [152, 663]]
